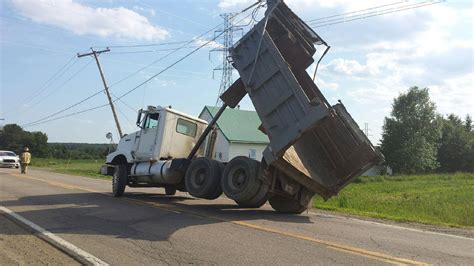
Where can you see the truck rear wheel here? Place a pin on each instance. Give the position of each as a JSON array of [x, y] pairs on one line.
[[203, 178], [119, 180], [170, 191], [286, 205], [240, 180]]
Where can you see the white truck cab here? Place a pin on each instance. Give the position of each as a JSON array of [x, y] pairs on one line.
[[164, 134]]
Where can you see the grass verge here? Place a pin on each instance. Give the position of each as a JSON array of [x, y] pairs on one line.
[[439, 199], [89, 168]]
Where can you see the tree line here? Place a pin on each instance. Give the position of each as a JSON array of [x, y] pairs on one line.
[[417, 139], [14, 138]]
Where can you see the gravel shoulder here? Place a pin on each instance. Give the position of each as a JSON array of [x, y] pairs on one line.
[[20, 247]]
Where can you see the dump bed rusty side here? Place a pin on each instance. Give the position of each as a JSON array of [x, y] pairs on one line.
[[318, 145]]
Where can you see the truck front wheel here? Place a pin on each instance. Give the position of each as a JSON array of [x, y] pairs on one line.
[[119, 180]]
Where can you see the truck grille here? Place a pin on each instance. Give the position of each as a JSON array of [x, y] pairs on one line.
[[8, 161]]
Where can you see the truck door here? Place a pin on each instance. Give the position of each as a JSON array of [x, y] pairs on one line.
[[145, 145]]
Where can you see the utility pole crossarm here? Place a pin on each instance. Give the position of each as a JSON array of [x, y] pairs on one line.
[[95, 54]]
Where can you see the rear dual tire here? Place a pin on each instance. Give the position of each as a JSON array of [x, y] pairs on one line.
[[286, 205], [203, 178], [242, 182]]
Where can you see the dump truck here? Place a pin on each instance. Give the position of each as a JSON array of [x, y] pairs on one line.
[[314, 147]]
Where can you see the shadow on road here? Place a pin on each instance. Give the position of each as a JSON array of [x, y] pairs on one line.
[[132, 217]]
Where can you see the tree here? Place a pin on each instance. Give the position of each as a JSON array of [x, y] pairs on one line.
[[456, 146], [468, 123], [14, 138], [410, 135]]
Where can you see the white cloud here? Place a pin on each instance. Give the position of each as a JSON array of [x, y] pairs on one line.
[[150, 11], [209, 43], [116, 22]]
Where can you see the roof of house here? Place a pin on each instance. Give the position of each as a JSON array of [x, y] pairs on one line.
[[239, 126]]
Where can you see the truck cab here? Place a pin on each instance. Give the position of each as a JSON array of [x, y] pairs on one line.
[[164, 134]]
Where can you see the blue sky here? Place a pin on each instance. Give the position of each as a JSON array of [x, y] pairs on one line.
[[371, 61]]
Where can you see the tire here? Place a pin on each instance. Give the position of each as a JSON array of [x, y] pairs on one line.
[[240, 179], [286, 205], [119, 180], [262, 195], [170, 191], [203, 178], [258, 200]]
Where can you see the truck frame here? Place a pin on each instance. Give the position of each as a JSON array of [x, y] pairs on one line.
[[315, 148]]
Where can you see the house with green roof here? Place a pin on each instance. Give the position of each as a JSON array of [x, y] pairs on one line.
[[237, 133]]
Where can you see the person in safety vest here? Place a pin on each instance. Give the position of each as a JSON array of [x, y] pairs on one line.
[[25, 159]]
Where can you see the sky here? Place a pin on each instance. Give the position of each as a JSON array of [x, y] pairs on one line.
[[371, 61]]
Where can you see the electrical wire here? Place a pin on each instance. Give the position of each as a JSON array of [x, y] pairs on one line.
[[372, 14], [64, 83], [63, 69], [64, 116], [356, 11], [148, 51], [46, 119]]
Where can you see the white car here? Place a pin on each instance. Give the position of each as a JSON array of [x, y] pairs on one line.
[[9, 159]]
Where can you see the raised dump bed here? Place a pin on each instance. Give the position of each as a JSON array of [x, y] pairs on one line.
[[318, 145]]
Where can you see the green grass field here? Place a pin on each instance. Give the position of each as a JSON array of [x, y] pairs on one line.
[[89, 168], [439, 199]]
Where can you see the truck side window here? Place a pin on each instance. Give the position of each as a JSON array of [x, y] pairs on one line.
[[151, 121], [186, 127]]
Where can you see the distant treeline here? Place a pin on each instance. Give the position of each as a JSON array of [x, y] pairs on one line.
[[77, 150], [14, 138]]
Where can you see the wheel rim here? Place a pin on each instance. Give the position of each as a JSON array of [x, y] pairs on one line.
[[239, 179], [200, 177]]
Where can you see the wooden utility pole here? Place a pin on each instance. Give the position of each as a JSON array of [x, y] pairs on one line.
[[95, 54]]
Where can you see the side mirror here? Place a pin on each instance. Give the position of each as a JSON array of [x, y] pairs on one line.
[[139, 118]]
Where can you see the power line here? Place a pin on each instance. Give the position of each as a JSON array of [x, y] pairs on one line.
[[45, 119], [176, 62], [149, 51], [356, 11], [46, 84], [64, 83], [63, 110], [146, 45], [68, 115], [373, 14]]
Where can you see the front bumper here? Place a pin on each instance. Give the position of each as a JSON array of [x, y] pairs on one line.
[[9, 165]]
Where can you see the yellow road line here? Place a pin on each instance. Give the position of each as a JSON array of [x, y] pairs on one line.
[[340, 247]]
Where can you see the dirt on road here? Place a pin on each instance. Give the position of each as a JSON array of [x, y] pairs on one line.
[[20, 247]]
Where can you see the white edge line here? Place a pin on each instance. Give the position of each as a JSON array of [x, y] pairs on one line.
[[390, 225], [86, 256]]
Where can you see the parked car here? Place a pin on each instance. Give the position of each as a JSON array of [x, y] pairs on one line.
[[9, 159]]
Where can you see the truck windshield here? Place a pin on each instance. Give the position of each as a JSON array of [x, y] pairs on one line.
[[151, 121]]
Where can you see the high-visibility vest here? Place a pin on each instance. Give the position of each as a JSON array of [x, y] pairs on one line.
[[25, 157]]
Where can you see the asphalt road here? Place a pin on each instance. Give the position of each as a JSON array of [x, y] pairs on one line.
[[147, 227]]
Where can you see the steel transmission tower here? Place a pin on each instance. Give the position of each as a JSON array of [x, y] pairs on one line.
[[228, 40]]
